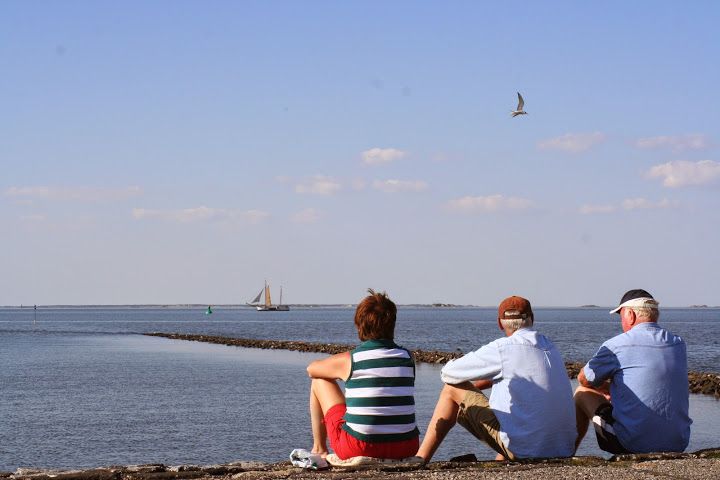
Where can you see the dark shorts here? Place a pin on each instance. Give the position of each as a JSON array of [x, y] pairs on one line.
[[603, 422], [346, 446]]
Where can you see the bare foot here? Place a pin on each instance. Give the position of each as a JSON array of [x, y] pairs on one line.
[[322, 453]]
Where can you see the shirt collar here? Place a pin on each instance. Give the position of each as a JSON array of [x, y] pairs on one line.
[[378, 342], [524, 329], [646, 325]]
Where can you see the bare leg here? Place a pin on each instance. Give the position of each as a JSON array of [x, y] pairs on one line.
[[587, 401], [324, 394], [443, 419], [319, 432]]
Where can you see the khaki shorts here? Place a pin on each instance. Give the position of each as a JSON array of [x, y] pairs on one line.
[[477, 417]]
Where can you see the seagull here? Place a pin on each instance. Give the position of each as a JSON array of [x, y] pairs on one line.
[[519, 110]]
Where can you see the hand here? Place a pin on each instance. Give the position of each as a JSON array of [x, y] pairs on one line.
[[604, 388]]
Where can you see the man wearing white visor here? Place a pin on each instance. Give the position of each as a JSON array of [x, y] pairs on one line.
[[635, 388]]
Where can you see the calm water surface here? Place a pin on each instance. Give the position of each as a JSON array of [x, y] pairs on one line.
[[82, 388]]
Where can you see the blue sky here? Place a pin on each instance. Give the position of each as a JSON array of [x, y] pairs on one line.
[[183, 152]]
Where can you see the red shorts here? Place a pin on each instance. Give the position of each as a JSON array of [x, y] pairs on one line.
[[347, 446]]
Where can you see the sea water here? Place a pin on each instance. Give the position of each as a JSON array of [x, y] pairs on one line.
[[82, 387]]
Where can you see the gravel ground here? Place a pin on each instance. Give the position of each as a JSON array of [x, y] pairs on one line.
[[690, 466]]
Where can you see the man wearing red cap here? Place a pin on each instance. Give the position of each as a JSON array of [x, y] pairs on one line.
[[530, 411]]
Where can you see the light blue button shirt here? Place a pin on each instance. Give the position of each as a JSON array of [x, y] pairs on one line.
[[649, 389], [531, 394]]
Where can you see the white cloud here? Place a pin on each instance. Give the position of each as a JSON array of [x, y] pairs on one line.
[[593, 209], [395, 186], [199, 214], [33, 218], [378, 156], [645, 204], [82, 194], [319, 185], [490, 203], [627, 204], [683, 173], [676, 143], [572, 142], [252, 216], [308, 215]]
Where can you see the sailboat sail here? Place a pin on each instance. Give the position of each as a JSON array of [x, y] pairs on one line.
[[268, 302], [257, 299]]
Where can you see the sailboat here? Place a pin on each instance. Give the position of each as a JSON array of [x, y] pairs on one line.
[[268, 306]]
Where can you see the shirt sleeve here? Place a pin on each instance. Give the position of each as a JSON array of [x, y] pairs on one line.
[[481, 364], [602, 366]]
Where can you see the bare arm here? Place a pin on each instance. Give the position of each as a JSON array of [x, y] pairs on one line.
[[582, 380], [331, 368], [603, 388], [482, 384]]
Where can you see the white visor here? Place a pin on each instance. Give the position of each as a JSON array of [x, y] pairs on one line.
[[638, 302]]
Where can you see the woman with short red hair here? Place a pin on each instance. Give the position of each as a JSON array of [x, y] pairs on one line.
[[376, 415]]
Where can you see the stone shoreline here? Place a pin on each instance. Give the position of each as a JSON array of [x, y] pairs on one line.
[[701, 465], [706, 383]]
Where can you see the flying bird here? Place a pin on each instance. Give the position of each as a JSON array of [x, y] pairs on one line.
[[519, 110]]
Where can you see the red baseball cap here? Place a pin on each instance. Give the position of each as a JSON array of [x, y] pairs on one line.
[[514, 307]]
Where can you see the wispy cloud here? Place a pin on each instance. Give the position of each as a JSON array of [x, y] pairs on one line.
[[318, 185], [33, 218], [308, 215], [199, 214], [627, 204], [379, 156], [676, 143], [683, 173], [490, 203], [594, 209], [645, 204], [572, 142], [81, 194], [396, 186]]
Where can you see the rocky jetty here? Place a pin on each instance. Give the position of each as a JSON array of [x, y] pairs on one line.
[[700, 382], [701, 465]]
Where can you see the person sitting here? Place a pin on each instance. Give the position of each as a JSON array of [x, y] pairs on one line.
[[530, 410], [376, 416], [635, 388]]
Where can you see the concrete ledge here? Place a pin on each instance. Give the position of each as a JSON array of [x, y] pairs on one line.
[[700, 465]]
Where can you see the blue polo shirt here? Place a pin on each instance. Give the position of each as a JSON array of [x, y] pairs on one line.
[[649, 389]]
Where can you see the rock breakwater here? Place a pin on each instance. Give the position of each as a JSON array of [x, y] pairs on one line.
[[706, 383]]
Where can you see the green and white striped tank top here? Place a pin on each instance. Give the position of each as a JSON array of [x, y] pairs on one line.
[[379, 393]]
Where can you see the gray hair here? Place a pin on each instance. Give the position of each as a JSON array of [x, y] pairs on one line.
[[652, 313], [513, 324]]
